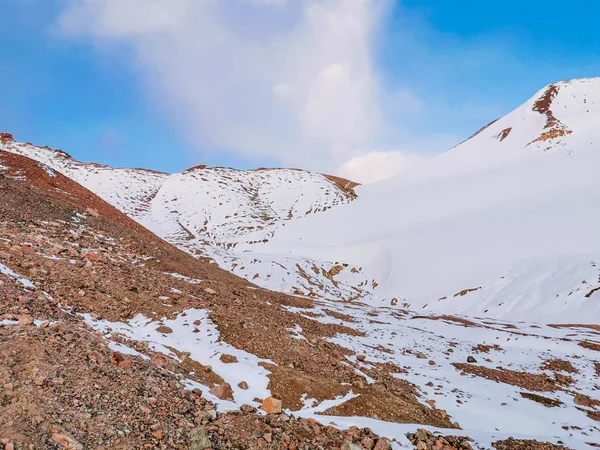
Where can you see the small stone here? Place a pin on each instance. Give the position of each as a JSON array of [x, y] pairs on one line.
[[382, 444], [421, 355], [228, 359], [66, 440], [243, 385], [268, 437], [350, 446], [210, 291], [159, 434], [361, 357], [91, 256], [248, 408], [367, 443], [271, 405], [222, 391], [431, 362], [471, 360], [199, 439], [25, 319]]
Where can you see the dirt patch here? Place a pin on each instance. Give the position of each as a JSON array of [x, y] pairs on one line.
[[552, 134], [290, 386], [376, 403], [529, 381], [558, 365], [485, 348], [590, 345], [339, 316], [521, 444], [547, 402]]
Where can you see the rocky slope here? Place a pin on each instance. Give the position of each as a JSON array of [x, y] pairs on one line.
[[213, 211], [113, 338]]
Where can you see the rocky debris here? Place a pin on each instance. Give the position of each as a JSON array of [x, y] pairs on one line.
[[584, 400], [520, 444], [271, 405], [547, 402], [529, 381], [485, 348], [280, 431], [425, 440], [222, 391], [558, 365]]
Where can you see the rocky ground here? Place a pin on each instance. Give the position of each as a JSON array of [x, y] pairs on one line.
[[65, 255]]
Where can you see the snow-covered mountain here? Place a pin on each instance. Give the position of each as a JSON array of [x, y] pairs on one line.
[[505, 224], [212, 211]]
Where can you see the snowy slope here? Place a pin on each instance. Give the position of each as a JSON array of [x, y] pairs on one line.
[[502, 225], [505, 224], [209, 211]]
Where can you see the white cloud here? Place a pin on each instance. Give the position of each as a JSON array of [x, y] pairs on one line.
[[378, 165], [290, 81]]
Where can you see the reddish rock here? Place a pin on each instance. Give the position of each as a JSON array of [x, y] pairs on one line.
[[91, 257], [382, 444], [361, 357], [159, 360], [125, 364], [228, 359], [25, 319], [243, 385], [159, 434], [222, 391], [271, 405]]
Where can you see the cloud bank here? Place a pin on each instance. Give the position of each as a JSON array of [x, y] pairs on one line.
[[288, 81]]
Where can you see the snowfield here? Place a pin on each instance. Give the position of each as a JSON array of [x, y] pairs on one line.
[[502, 225]]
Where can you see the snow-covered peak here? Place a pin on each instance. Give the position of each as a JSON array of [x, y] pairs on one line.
[[560, 117]]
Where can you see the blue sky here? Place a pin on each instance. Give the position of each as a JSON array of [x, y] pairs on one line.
[[441, 70]]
